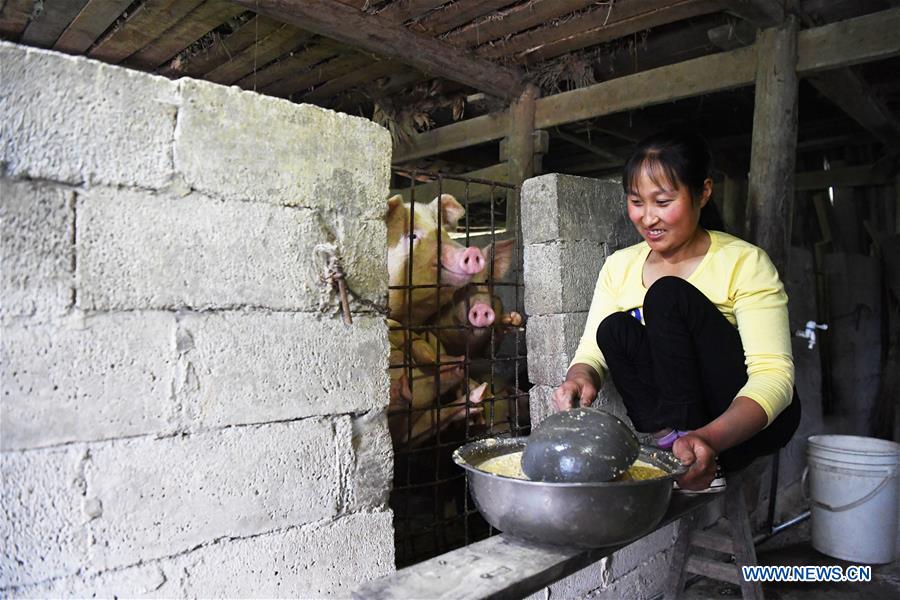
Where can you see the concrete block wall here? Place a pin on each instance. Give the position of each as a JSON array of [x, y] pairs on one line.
[[182, 413]]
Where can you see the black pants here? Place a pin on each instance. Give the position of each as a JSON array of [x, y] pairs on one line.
[[684, 368]]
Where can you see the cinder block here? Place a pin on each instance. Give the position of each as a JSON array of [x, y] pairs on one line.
[[540, 401], [157, 498], [373, 462], [83, 379], [42, 524], [565, 207], [551, 341], [561, 276], [96, 123], [323, 559], [255, 367], [241, 145], [646, 581], [320, 560], [37, 224], [140, 250]]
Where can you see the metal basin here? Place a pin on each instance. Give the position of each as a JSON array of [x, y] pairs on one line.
[[587, 515]]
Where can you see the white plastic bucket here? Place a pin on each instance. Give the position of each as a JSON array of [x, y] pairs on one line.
[[851, 483]]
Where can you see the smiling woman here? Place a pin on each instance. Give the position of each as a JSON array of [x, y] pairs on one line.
[[691, 323]]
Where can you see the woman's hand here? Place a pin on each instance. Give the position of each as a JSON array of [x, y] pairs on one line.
[[694, 451], [579, 388]]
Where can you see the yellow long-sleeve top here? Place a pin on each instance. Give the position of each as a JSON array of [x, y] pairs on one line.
[[741, 281]]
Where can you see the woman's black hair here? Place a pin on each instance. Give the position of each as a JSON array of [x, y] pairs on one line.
[[677, 156]]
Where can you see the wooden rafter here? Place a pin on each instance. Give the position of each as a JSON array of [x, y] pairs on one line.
[[141, 27], [45, 28], [195, 25], [317, 75], [91, 22], [603, 23], [317, 51], [392, 41], [14, 17], [223, 49], [285, 39], [457, 14], [862, 39], [515, 19]]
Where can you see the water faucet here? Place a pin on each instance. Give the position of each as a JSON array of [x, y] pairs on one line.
[[809, 333]]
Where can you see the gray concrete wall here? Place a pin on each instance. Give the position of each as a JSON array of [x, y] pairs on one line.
[[570, 225], [179, 415]]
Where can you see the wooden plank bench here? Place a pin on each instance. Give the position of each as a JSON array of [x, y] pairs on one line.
[[502, 566]]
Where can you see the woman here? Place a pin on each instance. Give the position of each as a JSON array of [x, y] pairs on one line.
[[691, 324]]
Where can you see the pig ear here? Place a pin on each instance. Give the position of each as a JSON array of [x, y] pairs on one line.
[[394, 202], [451, 210], [477, 395], [502, 257]]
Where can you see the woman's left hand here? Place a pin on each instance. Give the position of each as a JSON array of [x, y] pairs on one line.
[[693, 450]]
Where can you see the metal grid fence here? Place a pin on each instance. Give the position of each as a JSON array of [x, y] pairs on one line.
[[432, 413]]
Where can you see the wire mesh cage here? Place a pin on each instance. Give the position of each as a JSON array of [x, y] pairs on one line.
[[458, 364]]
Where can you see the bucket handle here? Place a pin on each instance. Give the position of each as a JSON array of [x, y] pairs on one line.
[[804, 490]]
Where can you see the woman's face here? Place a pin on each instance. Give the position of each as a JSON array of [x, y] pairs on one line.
[[664, 212]]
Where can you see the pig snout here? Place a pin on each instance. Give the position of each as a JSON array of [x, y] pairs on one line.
[[481, 315], [471, 261]]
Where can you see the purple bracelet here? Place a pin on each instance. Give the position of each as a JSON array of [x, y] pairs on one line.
[[666, 441]]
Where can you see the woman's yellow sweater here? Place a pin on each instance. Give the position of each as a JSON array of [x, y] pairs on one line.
[[743, 284]]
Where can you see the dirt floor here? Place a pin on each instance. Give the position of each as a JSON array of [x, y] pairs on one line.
[[792, 547]]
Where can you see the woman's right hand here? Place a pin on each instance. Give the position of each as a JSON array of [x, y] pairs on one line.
[[579, 388]]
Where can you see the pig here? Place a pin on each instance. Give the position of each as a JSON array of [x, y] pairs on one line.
[[456, 265], [475, 306], [415, 425]]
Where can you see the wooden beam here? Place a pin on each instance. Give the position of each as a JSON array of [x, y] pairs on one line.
[[185, 32], [770, 194], [762, 13], [321, 73], [392, 41], [867, 38], [143, 26], [91, 22], [586, 145], [46, 27]]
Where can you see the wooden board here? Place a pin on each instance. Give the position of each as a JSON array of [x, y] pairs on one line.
[[14, 17], [316, 75], [258, 55], [91, 22], [515, 19], [501, 566], [316, 51], [191, 28], [48, 25], [143, 26], [458, 13], [601, 33], [355, 77], [222, 50]]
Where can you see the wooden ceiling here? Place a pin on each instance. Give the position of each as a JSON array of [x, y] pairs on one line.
[[419, 64]]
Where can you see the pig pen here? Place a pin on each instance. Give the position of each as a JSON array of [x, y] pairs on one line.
[[457, 349], [184, 414]]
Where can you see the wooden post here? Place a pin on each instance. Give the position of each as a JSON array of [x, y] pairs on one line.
[[521, 151], [774, 147], [897, 204]]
